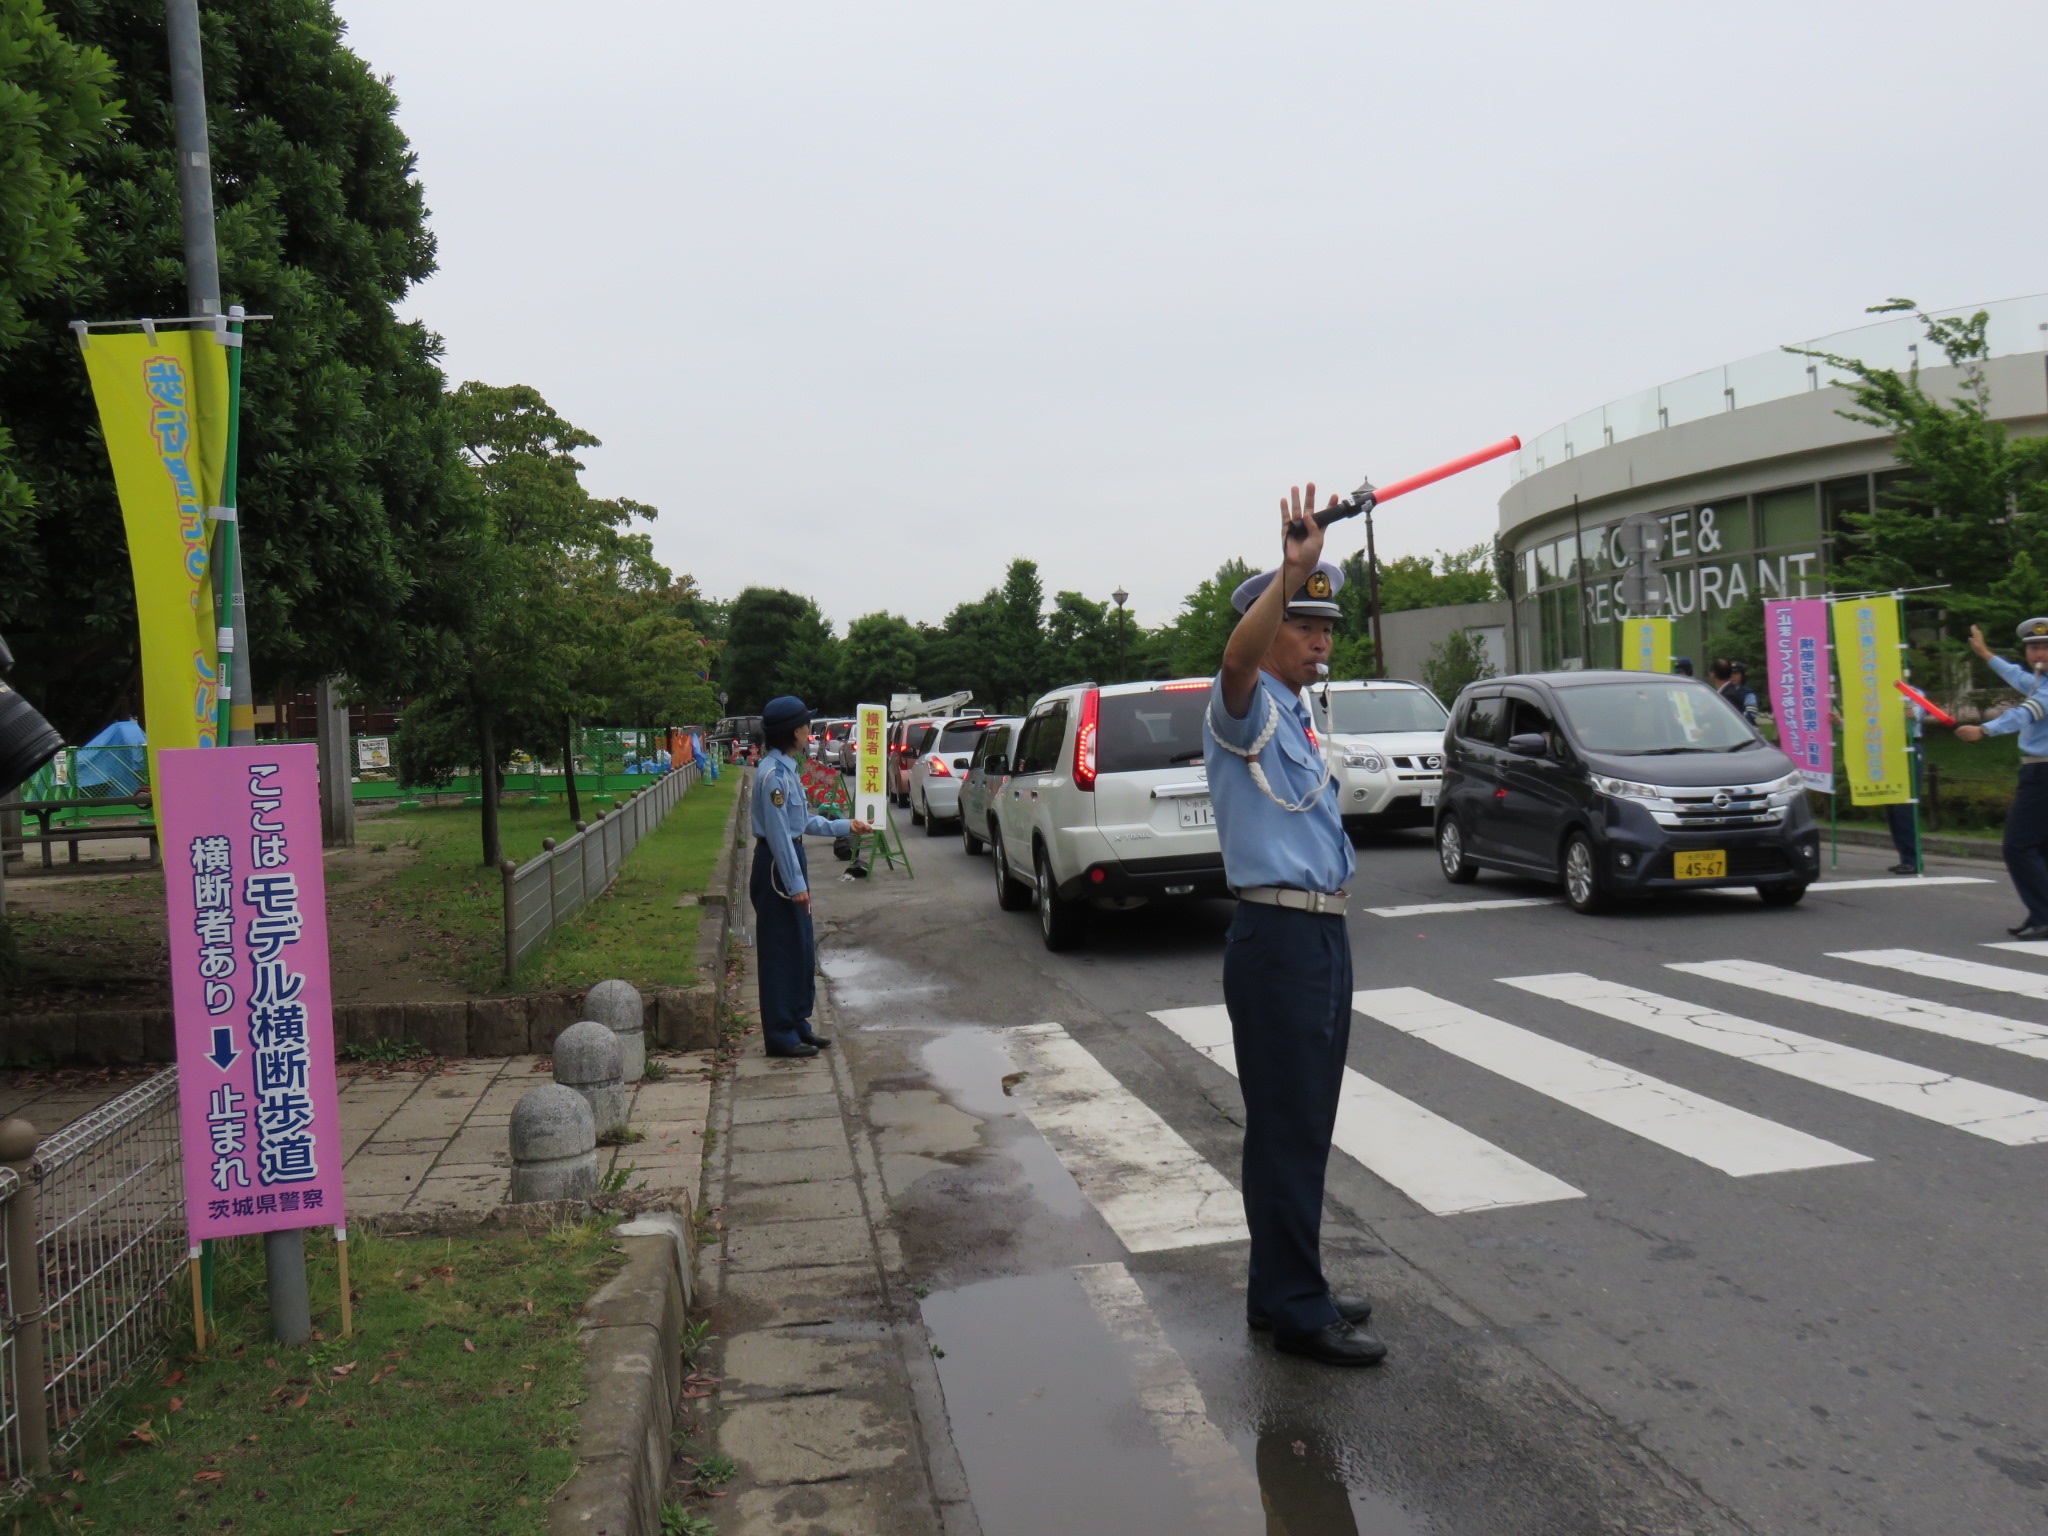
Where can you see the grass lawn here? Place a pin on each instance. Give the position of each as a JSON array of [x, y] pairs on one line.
[[636, 932], [451, 1409]]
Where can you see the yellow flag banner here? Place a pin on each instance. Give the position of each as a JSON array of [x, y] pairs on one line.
[[1646, 645], [1873, 711], [163, 403]]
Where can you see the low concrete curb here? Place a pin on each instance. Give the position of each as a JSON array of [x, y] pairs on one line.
[[1930, 843], [633, 1375], [678, 1018]]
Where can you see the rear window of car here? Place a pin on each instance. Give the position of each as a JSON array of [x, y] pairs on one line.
[[958, 738], [1141, 731]]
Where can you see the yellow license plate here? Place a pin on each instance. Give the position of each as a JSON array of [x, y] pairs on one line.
[[1711, 864]]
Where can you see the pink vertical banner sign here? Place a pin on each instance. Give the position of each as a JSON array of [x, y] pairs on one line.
[[249, 983], [1796, 635]]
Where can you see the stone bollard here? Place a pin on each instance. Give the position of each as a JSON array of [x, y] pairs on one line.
[[617, 1004], [554, 1146], [587, 1060]]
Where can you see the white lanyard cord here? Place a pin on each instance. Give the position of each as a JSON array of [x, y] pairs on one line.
[[1258, 770]]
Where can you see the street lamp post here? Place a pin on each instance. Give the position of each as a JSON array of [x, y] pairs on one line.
[[1121, 597], [1372, 567]]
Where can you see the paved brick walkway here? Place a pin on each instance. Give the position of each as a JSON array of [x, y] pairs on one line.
[[438, 1143]]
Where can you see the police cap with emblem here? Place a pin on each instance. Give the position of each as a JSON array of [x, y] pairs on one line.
[[1317, 598], [784, 714], [2034, 630]]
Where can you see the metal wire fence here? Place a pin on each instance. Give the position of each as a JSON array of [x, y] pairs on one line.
[[102, 1203], [552, 887]]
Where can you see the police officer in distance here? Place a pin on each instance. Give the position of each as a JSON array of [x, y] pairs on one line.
[[1287, 959], [2026, 826], [785, 951]]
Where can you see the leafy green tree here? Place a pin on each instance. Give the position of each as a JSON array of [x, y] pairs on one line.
[[1459, 658], [1436, 581], [1206, 619], [1081, 641], [355, 506], [55, 107], [778, 642], [1972, 508], [879, 657], [518, 674]]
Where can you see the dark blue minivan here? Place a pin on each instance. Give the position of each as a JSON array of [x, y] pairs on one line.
[[1620, 783]]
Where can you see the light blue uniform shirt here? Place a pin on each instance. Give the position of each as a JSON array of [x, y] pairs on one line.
[[2029, 719], [1263, 844], [783, 824]]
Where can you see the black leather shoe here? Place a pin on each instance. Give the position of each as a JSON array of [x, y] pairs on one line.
[[1338, 1344], [820, 1041], [1355, 1310], [798, 1050], [2035, 931], [1905, 869]]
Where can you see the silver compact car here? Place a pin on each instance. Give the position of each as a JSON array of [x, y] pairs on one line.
[[987, 773], [1386, 741], [944, 753]]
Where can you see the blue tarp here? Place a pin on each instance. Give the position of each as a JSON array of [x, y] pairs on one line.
[[112, 762]]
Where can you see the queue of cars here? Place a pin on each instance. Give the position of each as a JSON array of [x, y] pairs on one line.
[[1612, 784]]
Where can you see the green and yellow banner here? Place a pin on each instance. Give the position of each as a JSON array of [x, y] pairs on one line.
[[1873, 711], [1646, 645], [163, 403]]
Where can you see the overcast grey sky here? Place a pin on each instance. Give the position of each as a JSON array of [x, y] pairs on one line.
[[870, 299]]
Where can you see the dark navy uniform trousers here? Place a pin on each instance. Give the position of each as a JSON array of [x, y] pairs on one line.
[[2026, 841], [785, 954], [1287, 984]]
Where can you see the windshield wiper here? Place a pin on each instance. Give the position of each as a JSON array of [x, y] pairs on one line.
[[1671, 751]]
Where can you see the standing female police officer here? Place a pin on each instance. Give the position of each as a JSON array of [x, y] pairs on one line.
[[2026, 824], [1287, 959], [785, 951]]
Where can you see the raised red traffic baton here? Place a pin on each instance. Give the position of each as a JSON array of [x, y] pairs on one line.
[[1932, 708], [1368, 496]]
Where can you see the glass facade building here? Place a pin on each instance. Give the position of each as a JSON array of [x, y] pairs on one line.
[[1751, 496]]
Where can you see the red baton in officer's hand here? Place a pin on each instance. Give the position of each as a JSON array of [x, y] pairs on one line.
[[1940, 714], [1366, 497]]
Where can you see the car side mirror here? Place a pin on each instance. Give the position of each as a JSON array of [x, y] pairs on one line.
[[1529, 744]]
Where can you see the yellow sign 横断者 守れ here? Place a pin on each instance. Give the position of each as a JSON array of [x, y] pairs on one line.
[[163, 407], [1646, 645], [871, 753], [1873, 711]]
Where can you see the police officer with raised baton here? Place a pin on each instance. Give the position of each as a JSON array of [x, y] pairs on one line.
[[1287, 959], [2026, 827], [786, 956]]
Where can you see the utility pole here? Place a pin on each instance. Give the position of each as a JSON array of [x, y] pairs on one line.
[[284, 1253], [1372, 577]]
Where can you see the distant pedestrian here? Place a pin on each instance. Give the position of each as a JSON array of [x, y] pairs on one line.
[[2026, 825], [1681, 666], [1727, 678], [1287, 958], [1904, 815], [785, 950]]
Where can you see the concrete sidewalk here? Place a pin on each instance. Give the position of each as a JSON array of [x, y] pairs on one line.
[[829, 1397]]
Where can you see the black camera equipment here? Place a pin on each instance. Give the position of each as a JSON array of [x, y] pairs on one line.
[[27, 740]]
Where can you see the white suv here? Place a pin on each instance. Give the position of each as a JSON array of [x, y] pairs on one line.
[[1106, 805], [1386, 741]]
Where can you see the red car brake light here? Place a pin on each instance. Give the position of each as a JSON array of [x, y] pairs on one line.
[[1084, 740], [939, 770], [1184, 687]]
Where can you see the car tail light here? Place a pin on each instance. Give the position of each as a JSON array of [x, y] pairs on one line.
[[1189, 687], [1084, 740], [939, 770]]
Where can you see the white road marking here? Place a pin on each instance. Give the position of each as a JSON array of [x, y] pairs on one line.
[[1719, 1135], [1153, 1189], [1432, 908], [1968, 973], [2033, 948], [1871, 1003], [1225, 1496], [1894, 882], [1996, 1114], [1439, 1165]]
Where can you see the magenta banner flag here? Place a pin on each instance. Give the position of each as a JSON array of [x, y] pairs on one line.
[[1796, 635], [250, 986]]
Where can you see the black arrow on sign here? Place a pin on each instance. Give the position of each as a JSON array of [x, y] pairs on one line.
[[223, 1054]]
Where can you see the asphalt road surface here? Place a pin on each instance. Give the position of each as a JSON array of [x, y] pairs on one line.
[[1700, 1217]]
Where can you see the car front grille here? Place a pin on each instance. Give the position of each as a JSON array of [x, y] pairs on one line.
[[1711, 810]]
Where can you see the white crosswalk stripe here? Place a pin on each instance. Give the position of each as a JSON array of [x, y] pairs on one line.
[[1873, 1003], [1153, 1189], [1968, 973], [1441, 1166], [1432, 908], [2033, 949], [1226, 1497], [1996, 1114], [1719, 1135]]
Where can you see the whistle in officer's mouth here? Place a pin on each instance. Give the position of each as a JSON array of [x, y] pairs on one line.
[[1322, 669]]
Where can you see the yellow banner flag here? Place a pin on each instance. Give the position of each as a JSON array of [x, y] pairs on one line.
[[1646, 645], [163, 403], [1873, 711]]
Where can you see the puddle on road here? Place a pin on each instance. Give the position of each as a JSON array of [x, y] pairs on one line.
[[864, 982], [971, 1067], [1052, 1435]]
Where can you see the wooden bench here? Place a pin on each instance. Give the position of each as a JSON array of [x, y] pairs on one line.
[[44, 810]]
